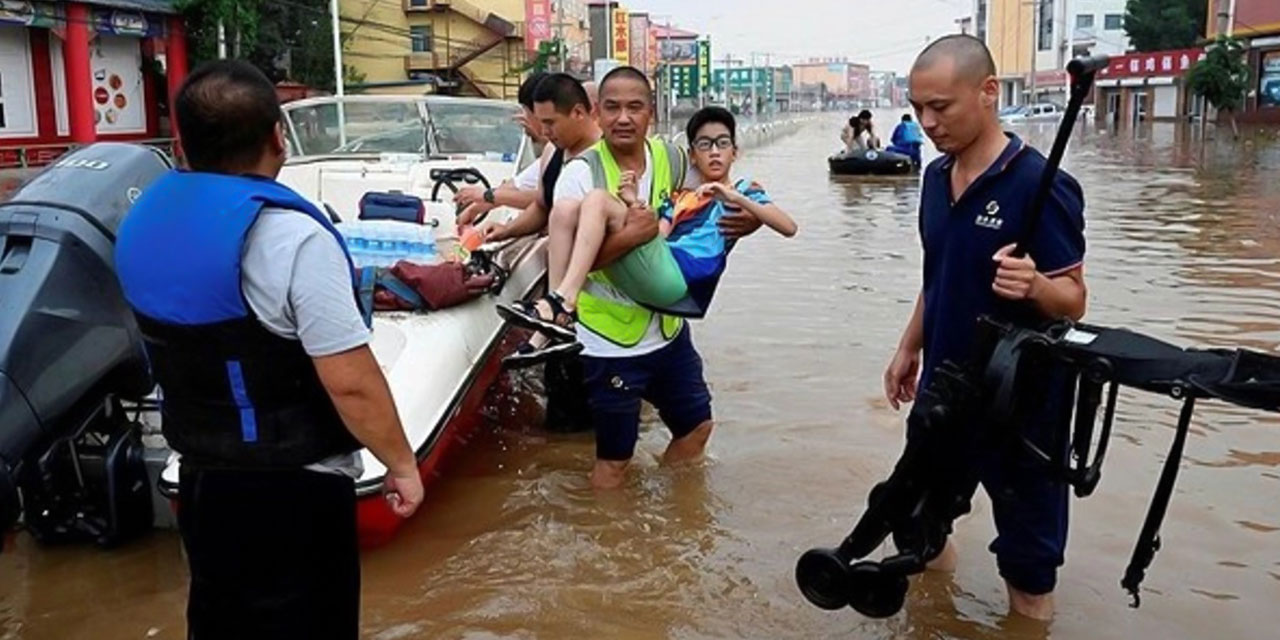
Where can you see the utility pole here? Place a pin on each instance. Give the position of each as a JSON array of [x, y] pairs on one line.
[[337, 70], [755, 100], [561, 49], [222, 40], [1035, 49]]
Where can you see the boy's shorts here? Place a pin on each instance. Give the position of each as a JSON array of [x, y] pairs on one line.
[[670, 379]]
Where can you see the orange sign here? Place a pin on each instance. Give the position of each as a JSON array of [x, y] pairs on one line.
[[621, 36]]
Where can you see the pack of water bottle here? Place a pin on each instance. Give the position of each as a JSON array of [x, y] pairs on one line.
[[382, 243]]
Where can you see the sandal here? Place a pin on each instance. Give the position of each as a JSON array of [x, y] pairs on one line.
[[526, 314], [527, 355]]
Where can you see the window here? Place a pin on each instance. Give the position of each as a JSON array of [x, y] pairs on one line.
[[17, 92], [418, 3], [420, 38], [1114, 22], [1269, 80], [1084, 21], [1044, 40]]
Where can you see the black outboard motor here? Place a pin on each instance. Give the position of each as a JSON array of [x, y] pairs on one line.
[[70, 349]]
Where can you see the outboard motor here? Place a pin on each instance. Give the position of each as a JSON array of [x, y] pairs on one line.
[[70, 350]]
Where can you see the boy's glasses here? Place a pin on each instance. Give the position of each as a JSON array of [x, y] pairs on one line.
[[720, 142]]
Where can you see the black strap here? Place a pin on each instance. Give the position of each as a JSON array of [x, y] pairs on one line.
[[1149, 540]]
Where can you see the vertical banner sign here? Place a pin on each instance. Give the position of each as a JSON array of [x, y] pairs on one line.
[[704, 66], [640, 41], [652, 56], [621, 36], [537, 23]]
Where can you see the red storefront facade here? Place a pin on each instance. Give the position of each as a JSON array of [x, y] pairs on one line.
[[76, 72]]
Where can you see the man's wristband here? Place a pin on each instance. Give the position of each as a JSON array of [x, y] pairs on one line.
[[488, 196]]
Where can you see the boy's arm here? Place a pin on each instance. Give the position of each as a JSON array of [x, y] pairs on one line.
[[531, 220]]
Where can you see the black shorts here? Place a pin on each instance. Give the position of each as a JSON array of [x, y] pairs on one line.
[[670, 379], [273, 554]]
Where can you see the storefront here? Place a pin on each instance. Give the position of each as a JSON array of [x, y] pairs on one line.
[[1144, 87], [76, 72], [1264, 102]]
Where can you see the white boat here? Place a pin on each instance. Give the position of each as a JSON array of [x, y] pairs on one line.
[[438, 364]]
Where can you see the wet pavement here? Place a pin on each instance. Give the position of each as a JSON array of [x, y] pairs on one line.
[[1184, 244]]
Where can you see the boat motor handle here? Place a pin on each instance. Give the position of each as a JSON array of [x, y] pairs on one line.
[[1082, 71]]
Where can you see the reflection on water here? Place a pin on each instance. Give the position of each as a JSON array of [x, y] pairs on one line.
[[1184, 243]]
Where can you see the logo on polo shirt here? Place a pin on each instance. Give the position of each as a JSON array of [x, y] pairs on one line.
[[991, 219]]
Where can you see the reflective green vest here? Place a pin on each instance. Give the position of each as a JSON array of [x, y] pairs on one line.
[[602, 307]]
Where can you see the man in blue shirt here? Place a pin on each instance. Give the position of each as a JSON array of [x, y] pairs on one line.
[[972, 210]]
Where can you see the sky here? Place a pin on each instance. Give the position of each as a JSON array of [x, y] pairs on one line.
[[887, 34]]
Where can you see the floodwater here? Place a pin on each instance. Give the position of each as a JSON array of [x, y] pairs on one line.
[[1184, 243]]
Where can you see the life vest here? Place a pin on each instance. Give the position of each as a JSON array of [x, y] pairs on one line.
[[234, 394], [602, 307]]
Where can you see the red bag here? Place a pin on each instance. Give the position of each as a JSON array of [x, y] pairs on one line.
[[441, 285]]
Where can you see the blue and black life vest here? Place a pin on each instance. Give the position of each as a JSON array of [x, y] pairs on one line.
[[234, 394]]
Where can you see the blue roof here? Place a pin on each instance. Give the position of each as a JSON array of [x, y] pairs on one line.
[[151, 6]]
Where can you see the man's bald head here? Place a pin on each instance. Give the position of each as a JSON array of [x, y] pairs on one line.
[[969, 55]]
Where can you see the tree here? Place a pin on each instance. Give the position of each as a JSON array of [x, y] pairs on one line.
[[1157, 25], [288, 40], [1222, 77]]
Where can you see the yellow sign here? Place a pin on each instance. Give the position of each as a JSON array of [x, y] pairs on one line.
[[621, 36]]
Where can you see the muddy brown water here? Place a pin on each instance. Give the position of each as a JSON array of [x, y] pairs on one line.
[[1184, 243]]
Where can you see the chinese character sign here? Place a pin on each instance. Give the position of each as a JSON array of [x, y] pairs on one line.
[[704, 65], [621, 36], [537, 23], [652, 54], [1152, 64]]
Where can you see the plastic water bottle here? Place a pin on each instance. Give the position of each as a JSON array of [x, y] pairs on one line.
[[422, 249]]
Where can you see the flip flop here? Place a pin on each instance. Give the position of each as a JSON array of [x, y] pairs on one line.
[[526, 355]]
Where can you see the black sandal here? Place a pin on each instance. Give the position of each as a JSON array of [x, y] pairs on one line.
[[527, 355], [526, 314]]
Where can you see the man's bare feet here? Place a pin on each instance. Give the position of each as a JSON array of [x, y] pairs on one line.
[[689, 447], [946, 561], [1036, 607], [609, 474]]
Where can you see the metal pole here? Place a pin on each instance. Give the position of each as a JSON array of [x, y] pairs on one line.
[[755, 100], [338, 82], [1035, 49], [560, 46], [222, 41]]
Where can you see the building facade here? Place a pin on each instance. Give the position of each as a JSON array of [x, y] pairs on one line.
[[1144, 87], [1257, 22], [456, 47], [843, 80], [77, 72], [1032, 41]]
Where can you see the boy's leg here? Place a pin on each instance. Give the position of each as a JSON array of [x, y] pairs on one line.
[[562, 225], [614, 388], [600, 213], [680, 394]]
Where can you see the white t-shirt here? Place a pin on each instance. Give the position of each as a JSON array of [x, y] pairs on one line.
[[528, 179], [575, 183], [298, 283]]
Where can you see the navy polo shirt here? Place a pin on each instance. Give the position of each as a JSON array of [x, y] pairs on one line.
[[961, 235]]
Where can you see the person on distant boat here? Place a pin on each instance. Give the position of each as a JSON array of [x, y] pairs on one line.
[[907, 140], [247, 303], [858, 135]]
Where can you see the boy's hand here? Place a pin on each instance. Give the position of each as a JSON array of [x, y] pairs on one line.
[[1016, 278], [722, 193], [628, 191]]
